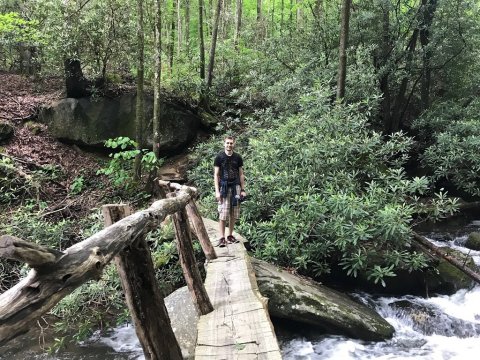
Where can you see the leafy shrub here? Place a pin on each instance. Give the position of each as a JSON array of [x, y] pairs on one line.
[[327, 188], [120, 168], [453, 140]]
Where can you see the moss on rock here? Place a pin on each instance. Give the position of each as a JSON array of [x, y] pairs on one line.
[[473, 241]]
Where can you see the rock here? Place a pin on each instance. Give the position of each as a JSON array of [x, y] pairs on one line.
[[445, 278], [184, 319], [208, 120], [6, 131], [88, 121], [473, 241], [297, 299], [429, 320]]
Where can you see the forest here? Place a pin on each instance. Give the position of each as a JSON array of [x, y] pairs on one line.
[[357, 120]]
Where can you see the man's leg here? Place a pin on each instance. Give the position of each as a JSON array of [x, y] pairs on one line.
[[231, 222], [221, 228]]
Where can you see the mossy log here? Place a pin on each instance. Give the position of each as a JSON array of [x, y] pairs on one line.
[[50, 281]]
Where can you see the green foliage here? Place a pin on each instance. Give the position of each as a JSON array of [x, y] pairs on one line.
[[324, 186], [453, 140], [120, 168]]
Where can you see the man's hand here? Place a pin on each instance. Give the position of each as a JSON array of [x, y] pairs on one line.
[[218, 197]]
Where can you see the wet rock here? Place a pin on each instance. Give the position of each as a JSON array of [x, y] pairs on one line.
[[430, 320], [297, 299], [473, 241], [6, 131], [184, 319]]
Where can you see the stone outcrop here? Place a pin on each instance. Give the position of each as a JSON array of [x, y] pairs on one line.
[[6, 131], [301, 300], [473, 241], [91, 121]]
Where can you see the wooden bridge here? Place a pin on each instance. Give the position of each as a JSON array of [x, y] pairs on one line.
[[234, 322]]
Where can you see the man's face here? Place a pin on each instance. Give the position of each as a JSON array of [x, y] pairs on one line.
[[229, 145]]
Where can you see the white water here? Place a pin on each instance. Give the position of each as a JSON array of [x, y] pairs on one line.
[[448, 330]]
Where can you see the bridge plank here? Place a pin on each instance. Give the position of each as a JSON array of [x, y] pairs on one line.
[[239, 327]]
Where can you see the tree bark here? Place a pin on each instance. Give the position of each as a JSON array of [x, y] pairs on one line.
[[214, 44], [385, 50], [179, 27], [140, 85], [201, 39], [342, 66], [238, 22], [157, 78], [187, 27], [429, 8], [142, 294]]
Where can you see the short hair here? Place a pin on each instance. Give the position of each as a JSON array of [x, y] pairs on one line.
[[229, 137]]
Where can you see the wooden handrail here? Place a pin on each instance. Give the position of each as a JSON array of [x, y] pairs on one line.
[[48, 282]]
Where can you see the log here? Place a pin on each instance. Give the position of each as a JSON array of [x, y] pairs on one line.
[[32, 254], [189, 264], [142, 294], [452, 260], [200, 231], [43, 288]]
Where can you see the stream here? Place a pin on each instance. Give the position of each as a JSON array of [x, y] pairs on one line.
[[435, 328]]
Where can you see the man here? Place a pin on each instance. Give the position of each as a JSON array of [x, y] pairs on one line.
[[229, 188]]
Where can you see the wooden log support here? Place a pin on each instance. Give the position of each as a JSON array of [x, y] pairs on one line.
[[32, 254], [43, 288], [452, 260], [195, 219], [200, 231], [189, 264], [142, 294]]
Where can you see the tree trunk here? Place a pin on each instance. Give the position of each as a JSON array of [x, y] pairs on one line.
[[139, 123], [214, 44], [187, 27], [142, 294], [179, 27], [238, 22], [157, 78], [385, 50], [342, 66], [201, 40], [428, 11], [171, 48]]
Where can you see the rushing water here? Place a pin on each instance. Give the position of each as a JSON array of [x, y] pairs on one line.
[[437, 328]]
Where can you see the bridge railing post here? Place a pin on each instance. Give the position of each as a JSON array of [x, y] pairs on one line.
[[188, 262], [142, 294]]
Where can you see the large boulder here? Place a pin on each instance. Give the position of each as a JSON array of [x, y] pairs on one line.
[[91, 121], [6, 131], [184, 318], [294, 298], [473, 241]]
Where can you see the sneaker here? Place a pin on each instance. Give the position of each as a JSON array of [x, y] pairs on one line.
[[222, 242], [231, 239]]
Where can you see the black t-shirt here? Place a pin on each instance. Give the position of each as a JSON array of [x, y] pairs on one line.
[[229, 166]]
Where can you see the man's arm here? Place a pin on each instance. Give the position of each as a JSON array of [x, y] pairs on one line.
[[216, 180], [242, 180]]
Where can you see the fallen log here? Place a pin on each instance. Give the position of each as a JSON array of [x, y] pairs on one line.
[[47, 283], [452, 260]]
